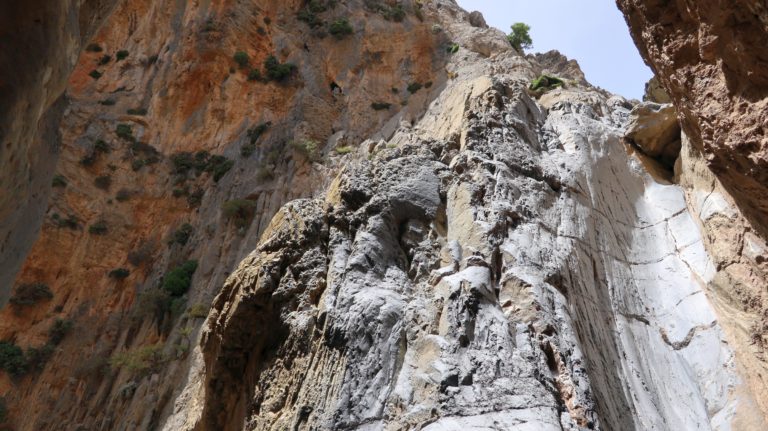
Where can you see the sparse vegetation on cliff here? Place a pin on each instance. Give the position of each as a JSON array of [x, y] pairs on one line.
[[199, 162], [177, 281], [124, 131], [12, 359], [59, 330], [30, 294], [413, 87], [545, 83], [137, 111], [392, 13], [95, 74], [70, 222], [59, 181], [380, 106], [119, 273], [103, 182], [340, 28], [98, 228], [276, 71], [93, 47], [307, 148], [241, 58], [198, 311], [121, 55], [181, 235], [240, 211], [140, 360]]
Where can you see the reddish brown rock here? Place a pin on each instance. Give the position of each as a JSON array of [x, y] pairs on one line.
[[712, 57]]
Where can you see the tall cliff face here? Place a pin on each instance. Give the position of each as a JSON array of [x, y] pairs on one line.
[[712, 59], [393, 233], [41, 43]]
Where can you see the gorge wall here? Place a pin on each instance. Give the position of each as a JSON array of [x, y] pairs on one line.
[[393, 233]]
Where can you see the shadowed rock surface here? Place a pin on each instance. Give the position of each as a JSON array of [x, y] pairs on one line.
[[393, 233]]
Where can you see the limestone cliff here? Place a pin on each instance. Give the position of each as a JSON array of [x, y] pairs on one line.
[[356, 215]]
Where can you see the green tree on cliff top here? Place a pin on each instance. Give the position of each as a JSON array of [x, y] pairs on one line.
[[520, 37]]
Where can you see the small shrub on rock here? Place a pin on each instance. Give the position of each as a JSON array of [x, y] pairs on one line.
[[121, 55], [545, 83], [380, 106], [12, 359], [241, 58], [59, 181], [98, 228], [124, 131], [240, 211], [119, 273], [58, 331], [276, 71], [340, 28], [182, 234], [308, 148], [177, 281], [30, 294], [141, 361], [103, 182], [95, 74]]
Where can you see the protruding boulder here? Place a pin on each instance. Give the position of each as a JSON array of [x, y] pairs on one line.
[[653, 128]]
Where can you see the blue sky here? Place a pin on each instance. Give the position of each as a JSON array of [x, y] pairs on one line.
[[591, 31]]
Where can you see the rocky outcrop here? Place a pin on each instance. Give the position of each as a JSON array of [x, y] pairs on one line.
[[712, 58], [501, 262], [653, 128]]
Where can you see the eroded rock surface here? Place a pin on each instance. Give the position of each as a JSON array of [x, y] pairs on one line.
[[409, 239], [501, 263]]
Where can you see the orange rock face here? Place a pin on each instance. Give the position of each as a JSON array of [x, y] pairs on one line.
[[162, 82]]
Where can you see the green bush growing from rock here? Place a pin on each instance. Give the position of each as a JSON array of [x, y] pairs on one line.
[[545, 83], [121, 55], [58, 331], [30, 294], [198, 311], [182, 234], [103, 182], [137, 111], [241, 58], [414, 87], [308, 149], [124, 131], [95, 74], [340, 28], [177, 281], [240, 211], [141, 360], [12, 359], [276, 71], [119, 273], [380, 106], [59, 181], [98, 228]]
